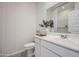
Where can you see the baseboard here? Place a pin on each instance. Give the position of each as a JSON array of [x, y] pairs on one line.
[[7, 55]]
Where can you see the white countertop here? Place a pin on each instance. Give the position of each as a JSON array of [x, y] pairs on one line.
[[71, 43]]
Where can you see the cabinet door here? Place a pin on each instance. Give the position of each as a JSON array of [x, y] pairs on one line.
[[47, 53], [37, 50]]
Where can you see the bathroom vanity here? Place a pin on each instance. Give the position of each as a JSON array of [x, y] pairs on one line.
[[66, 20], [55, 46]]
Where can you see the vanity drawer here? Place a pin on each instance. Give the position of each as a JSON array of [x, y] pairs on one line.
[[64, 52]]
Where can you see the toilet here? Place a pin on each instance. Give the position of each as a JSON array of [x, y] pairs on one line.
[[29, 49]]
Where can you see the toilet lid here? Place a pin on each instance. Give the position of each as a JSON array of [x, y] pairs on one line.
[[29, 45]]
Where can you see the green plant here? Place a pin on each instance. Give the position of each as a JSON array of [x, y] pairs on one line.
[[47, 23], [51, 23]]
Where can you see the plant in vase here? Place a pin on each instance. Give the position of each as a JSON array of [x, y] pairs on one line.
[[48, 25], [43, 26]]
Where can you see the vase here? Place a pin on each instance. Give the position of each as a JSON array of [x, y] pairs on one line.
[[43, 31]]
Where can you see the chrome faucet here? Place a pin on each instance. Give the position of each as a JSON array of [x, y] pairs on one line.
[[64, 36]]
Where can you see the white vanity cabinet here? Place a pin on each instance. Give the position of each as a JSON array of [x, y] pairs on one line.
[[45, 48], [59, 50]]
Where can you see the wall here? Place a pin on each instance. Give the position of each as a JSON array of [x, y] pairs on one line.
[[18, 23], [0, 34]]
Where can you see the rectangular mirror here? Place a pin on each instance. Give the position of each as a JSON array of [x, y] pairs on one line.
[[60, 15]]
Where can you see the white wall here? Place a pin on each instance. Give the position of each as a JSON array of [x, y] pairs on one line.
[[0, 34], [17, 23]]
